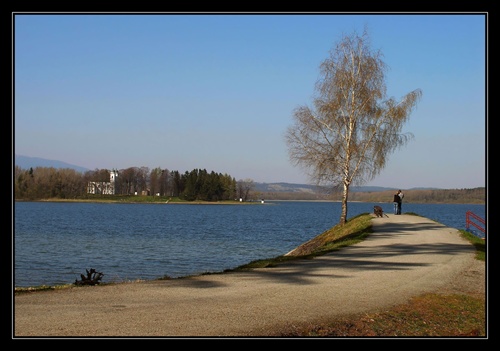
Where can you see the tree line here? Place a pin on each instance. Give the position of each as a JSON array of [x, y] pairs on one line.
[[428, 196], [199, 185], [65, 183], [436, 196]]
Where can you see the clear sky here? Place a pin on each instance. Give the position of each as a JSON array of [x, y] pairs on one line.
[[217, 91]]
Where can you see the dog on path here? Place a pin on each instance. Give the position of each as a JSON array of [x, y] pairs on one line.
[[379, 212]]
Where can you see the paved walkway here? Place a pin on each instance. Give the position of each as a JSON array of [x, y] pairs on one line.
[[405, 256]]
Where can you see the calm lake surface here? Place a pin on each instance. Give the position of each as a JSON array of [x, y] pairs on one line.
[[53, 243]]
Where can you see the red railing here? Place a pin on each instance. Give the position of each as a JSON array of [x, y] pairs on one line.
[[470, 218]]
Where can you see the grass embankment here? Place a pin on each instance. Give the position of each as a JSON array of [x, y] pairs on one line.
[[429, 315]]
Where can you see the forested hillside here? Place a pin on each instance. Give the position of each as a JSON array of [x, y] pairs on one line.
[[455, 196], [471, 196]]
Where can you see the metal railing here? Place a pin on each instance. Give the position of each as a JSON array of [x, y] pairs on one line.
[[473, 219]]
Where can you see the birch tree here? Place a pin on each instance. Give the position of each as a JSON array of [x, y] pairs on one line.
[[346, 137]]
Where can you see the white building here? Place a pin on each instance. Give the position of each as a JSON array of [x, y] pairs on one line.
[[104, 188]]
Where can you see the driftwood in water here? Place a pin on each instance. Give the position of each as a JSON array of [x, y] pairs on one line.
[[93, 278]]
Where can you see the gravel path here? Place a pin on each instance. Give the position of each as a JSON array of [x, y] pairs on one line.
[[404, 257]]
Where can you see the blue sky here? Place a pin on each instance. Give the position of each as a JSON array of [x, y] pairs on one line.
[[217, 92]]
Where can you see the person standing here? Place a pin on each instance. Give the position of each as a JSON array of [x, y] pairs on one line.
[[398, 200]]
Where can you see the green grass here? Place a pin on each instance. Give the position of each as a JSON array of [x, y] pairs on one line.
[[478, 243], [355, 230]]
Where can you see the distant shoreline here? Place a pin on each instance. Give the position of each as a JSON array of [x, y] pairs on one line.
[[233, 202]]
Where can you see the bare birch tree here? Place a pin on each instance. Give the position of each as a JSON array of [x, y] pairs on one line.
[[346, 137]]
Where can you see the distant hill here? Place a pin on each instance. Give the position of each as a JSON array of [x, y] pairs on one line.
[[26, 162], [301, 188]]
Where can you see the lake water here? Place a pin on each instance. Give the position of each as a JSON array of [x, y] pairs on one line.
[[53, 242]]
